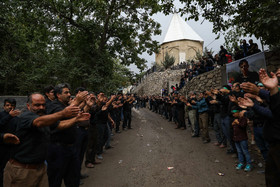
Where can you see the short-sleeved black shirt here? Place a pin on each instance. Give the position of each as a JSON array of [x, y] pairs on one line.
[[33, 140], [65, 136], [252, 77]]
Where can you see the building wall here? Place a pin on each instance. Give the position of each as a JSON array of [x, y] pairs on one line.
[[186, 48]]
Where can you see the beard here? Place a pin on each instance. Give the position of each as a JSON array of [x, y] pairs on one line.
[[40, 112]]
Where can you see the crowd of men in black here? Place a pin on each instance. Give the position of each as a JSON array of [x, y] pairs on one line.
[[47, 143], [252, 103]]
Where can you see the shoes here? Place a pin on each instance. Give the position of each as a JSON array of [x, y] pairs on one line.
[[222, 146], [195, 136], [129, 128], [248, 168], [217, 144], [89, 165], [97, 162], [83, 176], [100, 157], [206, 141], [239, 166], [177, 127], [109, 147], [183, 128], [118, 131]]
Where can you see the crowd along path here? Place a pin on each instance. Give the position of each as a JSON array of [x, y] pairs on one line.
[[155, 154]]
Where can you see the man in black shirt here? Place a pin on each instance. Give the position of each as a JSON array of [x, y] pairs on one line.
[[246, 75], [32, 129], [63, 160], [6, 127], [49, 94], [127, 111]]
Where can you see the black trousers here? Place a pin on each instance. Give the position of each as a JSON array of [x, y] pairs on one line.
[[101, 137], [272, 169], [92, 144], [81, 143], [63, 164], [127, 119]]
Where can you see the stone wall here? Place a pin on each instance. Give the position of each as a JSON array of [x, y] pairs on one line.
[[272, 59], [154, 82], [212, 79], [21, 101]]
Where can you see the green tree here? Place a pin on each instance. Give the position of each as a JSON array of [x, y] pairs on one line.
[[51, 41], [168, 61]]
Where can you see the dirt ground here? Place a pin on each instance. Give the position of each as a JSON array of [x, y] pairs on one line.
[[141, 157]]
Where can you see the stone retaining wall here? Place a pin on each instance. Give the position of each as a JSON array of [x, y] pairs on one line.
[[212, 79], [153, 83]]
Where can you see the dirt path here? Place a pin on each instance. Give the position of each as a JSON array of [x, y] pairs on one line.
[[141, 157]]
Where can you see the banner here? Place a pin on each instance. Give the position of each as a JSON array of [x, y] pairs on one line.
[[255, 62]]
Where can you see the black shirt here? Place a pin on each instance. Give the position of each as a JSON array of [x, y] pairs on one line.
[[65, 136], [5, 125], [101, 117], [33, 140], [252, 77]]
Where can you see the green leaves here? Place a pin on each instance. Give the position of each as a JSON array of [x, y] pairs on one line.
[[168, 61], [79, 42]]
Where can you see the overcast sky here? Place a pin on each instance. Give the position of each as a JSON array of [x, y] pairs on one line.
[[204, 30]]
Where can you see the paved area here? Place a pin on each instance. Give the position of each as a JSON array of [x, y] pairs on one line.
[[142, 156]]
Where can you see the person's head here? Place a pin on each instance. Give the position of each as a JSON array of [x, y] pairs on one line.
[[236, 87], [235, 113], [79, 89], [251, 41], [200, 96], [260, 85], [175, 95], [62, 93], [206, 93], [221, 47], [49, 92], [244, 42], [244, 66], [36, 103], [9, 104]]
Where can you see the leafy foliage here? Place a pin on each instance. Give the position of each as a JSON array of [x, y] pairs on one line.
[[168, 61], [79, 42]]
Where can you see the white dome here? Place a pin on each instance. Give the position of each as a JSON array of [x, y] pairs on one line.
[[179, 30]]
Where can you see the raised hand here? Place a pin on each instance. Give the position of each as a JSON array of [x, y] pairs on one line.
[[268, 82], [83, 117], [81, 96], [104, 108], [14, 113], [245, 102], [71, 111], [250, 88], [278, 73], [10, 139], [113, 97], [250, 95]]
